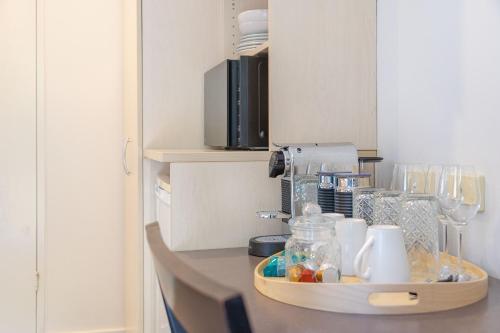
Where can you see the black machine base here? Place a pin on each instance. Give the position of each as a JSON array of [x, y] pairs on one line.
[[265, 246]]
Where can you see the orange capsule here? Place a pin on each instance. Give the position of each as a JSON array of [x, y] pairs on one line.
[[295, 273], [308, 276], [319, 276]]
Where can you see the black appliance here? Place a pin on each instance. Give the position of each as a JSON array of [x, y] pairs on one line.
[[236, 104]]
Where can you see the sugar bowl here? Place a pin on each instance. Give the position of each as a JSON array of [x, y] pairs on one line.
[[313, 252]]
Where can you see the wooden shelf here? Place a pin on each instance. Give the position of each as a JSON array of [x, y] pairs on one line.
[[259, 50], [205, 155]]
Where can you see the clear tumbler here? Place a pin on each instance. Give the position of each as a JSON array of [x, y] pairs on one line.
[[420, 223], [387, 207], [363, 203]]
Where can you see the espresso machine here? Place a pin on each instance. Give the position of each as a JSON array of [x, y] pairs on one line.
[[298, 166]]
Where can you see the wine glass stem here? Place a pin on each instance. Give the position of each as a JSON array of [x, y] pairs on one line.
[[445, 264], [459, 250], [445, 238]]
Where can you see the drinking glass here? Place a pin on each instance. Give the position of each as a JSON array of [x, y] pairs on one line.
[[409, 178], [363, 202], [306, 191], [449, 193], [387, 207], [464, 181], [419, 221], [432, 187], [345, 184]]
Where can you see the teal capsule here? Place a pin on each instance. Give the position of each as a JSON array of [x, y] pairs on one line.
[[298, 258], [281, 269], [276, 267]]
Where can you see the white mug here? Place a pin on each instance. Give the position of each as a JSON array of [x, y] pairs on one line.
[[383, 256], [351, 234], [335, 216]]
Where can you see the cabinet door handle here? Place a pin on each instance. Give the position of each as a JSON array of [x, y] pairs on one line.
[[124, 156]]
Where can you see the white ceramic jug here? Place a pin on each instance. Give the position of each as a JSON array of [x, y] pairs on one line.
[[383, 258]]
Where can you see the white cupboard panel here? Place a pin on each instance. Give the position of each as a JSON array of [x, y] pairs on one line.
[[181, 40], [214, 205], [322, 75]]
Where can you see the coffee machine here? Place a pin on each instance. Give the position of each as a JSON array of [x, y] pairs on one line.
[[298, 166]]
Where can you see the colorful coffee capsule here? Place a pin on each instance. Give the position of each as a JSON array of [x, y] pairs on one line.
[[298, 258], [325, 266], [281, 267], [270, 270], [276, 267], [295, 273], [308, 276], [328, 275]]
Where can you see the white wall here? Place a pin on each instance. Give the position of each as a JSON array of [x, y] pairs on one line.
[[82, 90], [439, 97], [18, 165]]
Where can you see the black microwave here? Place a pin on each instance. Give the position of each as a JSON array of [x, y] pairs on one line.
[[236, 104]]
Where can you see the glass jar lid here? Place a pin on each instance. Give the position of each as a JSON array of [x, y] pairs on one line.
[[312, 220]]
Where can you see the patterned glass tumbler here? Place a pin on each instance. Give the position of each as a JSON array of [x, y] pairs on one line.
[[420, 223], [363, 203], [387, 207]]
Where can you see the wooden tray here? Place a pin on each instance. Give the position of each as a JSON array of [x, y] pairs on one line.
[[354, 296]]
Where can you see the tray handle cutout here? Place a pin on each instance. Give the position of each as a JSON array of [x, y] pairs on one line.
[[386, 299]]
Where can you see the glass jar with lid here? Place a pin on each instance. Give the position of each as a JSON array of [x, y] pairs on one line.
[[313, 252]]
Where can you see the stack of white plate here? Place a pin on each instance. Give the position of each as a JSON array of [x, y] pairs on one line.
[[253, 29]]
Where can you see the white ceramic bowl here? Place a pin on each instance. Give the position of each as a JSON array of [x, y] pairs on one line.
[[253, 27], [252, 15]]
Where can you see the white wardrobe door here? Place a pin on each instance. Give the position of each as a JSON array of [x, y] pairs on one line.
[[83, 108], [17, 165]]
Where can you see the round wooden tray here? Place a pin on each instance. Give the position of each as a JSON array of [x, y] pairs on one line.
[[354, 296]]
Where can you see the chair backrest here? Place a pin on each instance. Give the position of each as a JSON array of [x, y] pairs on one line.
[[199, 303]]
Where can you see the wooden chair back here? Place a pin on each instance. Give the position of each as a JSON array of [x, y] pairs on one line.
[[197, 303]]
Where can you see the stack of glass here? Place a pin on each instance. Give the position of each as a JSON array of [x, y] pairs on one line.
[[418, 199]]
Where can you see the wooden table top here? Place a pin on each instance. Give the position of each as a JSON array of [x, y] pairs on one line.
[[234, 268]]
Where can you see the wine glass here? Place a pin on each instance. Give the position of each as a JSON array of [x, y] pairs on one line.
[[409, 178], [470, 193], [432, 186]]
